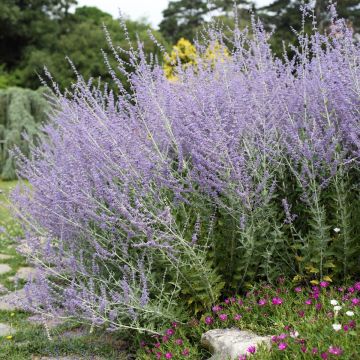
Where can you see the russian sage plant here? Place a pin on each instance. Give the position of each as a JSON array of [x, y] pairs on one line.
[[146, 204]]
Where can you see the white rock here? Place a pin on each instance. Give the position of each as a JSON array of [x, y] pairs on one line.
[[6, 330], [24, 273], [231, 342], [5, 257], [4, 268], [51, 323], [13, 301], [3, 289]]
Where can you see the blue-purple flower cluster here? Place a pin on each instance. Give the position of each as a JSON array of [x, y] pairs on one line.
[[239, 169]]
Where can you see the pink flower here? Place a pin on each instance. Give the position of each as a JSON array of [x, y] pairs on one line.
[[277, 301], [186, 352], [142, 343], [170, 332], [335, 350], [315, 350], [165, 339], [324, 355], [308, 302], [262, 302], [227, 301], [355, 301], [351, 289], [298, 289], [301, 313], [216, 308], [357, 286], [330, 314], [324, 284], [282, 336], [168, 355], [209, 320], [303, 349], [237, 317], [223, 317], [157, 345], [282, 346], [158, 355], [179, 342], [251, 349], [174, 324], [274, 338], [242, 357], [352, 324], [346, 327], [318, 306]]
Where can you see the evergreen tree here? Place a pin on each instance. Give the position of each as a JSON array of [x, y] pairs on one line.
[[21, 112]]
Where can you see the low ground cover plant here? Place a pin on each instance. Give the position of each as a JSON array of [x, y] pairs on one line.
[[147, 206], [306, 322]]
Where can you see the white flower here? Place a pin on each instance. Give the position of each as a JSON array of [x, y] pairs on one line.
[[334, 302], [337, 308], [336, 327], [337, 230], [349, 313], [294, 334]]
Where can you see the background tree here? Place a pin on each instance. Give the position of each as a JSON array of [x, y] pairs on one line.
[[285, 14], [27, 23], [61, 34], [183, 18]]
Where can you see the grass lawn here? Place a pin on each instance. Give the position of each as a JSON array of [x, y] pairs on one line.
[[5, 188]]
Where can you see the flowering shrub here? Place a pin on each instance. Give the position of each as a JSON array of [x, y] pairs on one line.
[[183, 52], [148, 204], [184, 55], [299, 329]]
